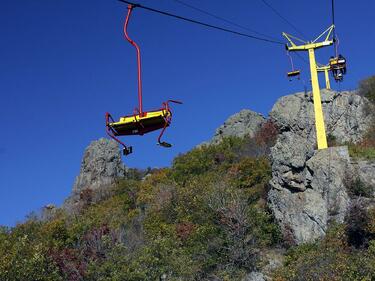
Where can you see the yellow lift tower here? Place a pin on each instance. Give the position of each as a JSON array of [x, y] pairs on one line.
[[325, 69], [310, 47]]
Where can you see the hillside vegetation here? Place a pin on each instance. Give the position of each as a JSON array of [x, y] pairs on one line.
[[201, 219], [204, 218]]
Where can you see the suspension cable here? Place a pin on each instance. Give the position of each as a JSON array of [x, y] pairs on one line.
[[224, 19], [202, 23], [333, 12], [283, 18], [334, 28]]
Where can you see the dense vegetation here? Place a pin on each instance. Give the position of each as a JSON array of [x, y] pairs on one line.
[[346, 253], [205, 218]]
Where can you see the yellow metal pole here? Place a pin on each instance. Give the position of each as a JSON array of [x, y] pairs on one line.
[[319, 118], [310, 47], [328, 83]]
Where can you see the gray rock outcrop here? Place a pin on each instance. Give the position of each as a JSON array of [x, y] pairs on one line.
[[254, 276], [345, 115], [307, 189], [244, 123], [100, 168], [270, 259], [48, 212], [303, 203]]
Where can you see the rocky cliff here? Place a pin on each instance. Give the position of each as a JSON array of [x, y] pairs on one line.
[[308, 186], [101, 166]]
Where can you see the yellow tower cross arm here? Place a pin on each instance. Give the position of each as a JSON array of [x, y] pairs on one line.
[[310, 47]]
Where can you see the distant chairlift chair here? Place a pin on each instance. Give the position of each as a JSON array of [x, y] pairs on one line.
[[338, 67]]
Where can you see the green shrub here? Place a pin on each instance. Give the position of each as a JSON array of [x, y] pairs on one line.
[[205, 158], [24, 255], [323, 260], [361, 152], [250, 172], [366, 148], [356, 188], [357, 225], [367, 88], [331, 258], [332, 140]]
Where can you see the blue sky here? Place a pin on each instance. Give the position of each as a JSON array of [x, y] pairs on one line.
[[64, 63]]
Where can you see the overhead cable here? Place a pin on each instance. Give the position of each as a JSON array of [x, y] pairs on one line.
[[201, 23], [335, 44], [333, 12], [283, 18], [224, 19]]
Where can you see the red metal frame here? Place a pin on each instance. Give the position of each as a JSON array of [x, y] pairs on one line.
[[167, 120], [139, 68], [112, 133]]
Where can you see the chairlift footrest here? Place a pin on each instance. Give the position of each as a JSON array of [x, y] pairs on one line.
[[165, 144], [127, 150]]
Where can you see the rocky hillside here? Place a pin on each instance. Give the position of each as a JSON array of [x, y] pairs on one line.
[[308, 186], [257, 202]]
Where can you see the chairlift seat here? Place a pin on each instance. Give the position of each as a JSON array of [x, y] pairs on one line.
[[139, 124], [337, 63], [294, 73]]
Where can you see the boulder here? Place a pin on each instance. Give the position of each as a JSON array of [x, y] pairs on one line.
[[244, 123]]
